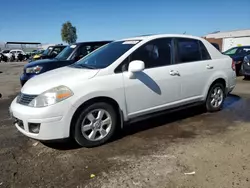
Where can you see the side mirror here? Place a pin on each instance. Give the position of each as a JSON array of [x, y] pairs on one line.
[[134, 67]]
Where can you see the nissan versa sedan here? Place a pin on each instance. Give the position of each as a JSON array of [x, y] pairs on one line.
[[122, 82]]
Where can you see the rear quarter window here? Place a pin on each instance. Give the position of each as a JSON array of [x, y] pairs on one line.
[[204, 52]]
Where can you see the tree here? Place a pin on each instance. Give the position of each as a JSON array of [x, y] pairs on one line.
[[68, 33]]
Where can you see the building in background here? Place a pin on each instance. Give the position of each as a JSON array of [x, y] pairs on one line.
[[229, 39], [25, 46]]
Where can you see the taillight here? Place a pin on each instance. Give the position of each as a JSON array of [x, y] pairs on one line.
[[233, 65]]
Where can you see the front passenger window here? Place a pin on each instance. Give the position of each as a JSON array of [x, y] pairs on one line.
[[155, 53]]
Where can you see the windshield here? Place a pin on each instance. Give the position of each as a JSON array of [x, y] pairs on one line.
[[230, 51], [105, 56], [238, 51], [66, 52], [47, 51]]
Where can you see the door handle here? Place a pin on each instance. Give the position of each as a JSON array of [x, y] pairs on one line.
[[174, 73], [209, 67]]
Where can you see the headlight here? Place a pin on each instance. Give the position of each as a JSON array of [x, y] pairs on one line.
[[32, 70], [246, 60], [51, 96]]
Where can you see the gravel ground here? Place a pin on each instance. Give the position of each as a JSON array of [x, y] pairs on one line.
[[158, 152]]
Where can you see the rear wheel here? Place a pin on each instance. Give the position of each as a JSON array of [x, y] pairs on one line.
[[95, 125], [215, 97]]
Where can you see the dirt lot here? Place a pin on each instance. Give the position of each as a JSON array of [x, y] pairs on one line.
[[153, 153]]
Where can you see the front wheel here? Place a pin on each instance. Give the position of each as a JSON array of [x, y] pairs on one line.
[[215, 98], [95, 125]]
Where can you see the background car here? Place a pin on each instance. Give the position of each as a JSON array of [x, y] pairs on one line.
[[6, 53], [12, 55], [238, 54], [245, 67], [49, 53], [3, 57], [69, 55]]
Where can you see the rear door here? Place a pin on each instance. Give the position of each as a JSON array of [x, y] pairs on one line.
[[196, 68]]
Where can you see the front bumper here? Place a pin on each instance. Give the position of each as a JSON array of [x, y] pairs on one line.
[[54, 121]]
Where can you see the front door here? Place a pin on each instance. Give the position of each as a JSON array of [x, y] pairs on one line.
[[158, 86]]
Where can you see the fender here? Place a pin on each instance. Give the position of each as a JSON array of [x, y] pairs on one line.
[[117, 96], [216, 75]]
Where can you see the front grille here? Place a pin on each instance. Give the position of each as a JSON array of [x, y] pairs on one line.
[[25, 99]]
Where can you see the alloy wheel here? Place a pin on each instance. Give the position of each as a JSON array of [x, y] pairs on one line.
[[96, 125]]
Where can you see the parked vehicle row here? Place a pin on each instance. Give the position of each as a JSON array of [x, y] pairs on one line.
[[13, 55], [238, 54], [121, 82], [35, 52], [50, 52], [69, 55]]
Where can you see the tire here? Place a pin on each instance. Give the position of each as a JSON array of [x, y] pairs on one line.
[[246, 77], [95, 125], [220, 97]]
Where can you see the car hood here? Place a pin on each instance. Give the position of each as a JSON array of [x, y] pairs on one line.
[[43, 62], [61, 76], [40, 62]]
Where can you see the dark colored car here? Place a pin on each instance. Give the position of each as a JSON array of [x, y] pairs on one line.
[[245, 68], [238, 54], [49, 53], [68, 56]]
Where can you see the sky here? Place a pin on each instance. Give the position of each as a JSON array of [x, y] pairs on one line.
[[41, 21]]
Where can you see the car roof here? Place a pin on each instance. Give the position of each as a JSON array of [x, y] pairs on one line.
[[155, 36], [57, 46], [240, 47], [93, 42]]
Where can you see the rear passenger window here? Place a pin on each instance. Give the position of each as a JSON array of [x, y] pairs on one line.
[[204, 53], [188, 50]]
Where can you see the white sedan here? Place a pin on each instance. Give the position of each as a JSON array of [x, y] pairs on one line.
[[124, 81]]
